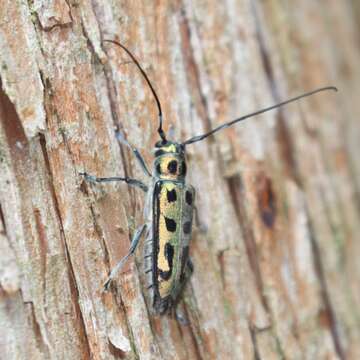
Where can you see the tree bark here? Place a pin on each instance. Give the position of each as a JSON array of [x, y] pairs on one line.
[[277, 274]]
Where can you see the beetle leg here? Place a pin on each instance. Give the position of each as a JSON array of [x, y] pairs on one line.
[[135, 151], [180, 317], [129, 181], [134, 243]]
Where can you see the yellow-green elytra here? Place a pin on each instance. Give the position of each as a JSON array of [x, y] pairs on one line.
[[167, 261], [169, 208]]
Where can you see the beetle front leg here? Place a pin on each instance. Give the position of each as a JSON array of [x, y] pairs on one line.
[[134, 243], [135, 151]]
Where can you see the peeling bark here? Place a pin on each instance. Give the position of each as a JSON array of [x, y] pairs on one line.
[[276, 272]]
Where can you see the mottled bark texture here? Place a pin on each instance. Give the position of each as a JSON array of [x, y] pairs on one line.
[[277, 273]]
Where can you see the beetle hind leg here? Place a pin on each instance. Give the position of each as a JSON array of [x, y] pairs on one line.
[[120, 264]]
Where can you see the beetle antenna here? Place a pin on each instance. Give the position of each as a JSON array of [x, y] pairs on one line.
[[230, 123], [160, 129]]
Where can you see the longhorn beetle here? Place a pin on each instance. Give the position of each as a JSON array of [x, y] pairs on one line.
[[168, 209]]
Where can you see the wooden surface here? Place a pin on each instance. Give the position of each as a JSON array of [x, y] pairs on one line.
[[277, 274]]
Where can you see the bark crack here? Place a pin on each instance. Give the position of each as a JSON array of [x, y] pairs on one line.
[[111, 90], [40, 342], [236, 189], [59, 23], [254, 342], [2, 219], [192, 309], [193, 74], [72, 278], [329, 311], [283, 135], [43, 248]]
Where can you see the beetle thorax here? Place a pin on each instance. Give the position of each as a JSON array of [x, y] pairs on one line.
[[169, 163]]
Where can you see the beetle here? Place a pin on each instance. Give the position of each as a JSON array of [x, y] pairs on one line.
[[169, 207]]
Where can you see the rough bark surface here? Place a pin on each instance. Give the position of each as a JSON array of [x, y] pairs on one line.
[[277, 273]]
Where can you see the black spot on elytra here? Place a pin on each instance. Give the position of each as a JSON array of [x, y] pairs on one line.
[[183, 168], [170, 224], [189, 197], [172, 166], [158, 168], [169, 256], [171, 195], [169, 253], [165, 275], [187, 227]]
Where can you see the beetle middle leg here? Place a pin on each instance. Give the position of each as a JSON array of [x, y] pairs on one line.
[[129, 181], [134, 243]]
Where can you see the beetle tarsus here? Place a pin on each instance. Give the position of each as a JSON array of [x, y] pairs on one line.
[[106, 285]]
